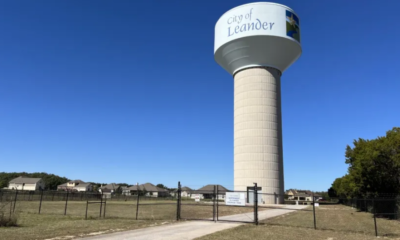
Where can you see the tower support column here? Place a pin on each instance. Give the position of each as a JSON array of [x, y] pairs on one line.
[[258, 152]]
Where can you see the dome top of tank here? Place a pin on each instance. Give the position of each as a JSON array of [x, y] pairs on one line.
[[257, 34]]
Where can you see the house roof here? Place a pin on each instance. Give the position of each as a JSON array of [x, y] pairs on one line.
[[111, 186], [186, 189], [148, 187], [26, 180], [303, 193], [80, 183], [151, 188], [134, 188], [210, 189]]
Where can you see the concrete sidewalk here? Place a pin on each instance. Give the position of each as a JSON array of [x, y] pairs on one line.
[[194, 229]]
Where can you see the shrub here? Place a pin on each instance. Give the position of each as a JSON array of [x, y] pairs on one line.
[[7, 220]]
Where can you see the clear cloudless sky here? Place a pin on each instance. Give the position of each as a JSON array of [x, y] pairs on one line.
[[128, 91]]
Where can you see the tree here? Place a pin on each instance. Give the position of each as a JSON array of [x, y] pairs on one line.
[[374, 167], [332, 193], [161, 186]]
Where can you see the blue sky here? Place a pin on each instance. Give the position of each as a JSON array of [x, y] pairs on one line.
[[128, 91]]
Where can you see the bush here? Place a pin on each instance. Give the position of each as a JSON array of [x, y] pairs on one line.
[[7, 220]]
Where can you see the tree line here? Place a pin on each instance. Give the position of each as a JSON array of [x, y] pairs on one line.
[[373, 168]]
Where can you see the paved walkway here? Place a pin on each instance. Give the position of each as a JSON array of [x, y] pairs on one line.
[[194, 229]]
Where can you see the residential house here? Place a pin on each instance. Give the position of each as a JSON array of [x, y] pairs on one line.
[[207, 192], [125, 191], [109, 190], [185, 192], [26, 183], [302, 195], [76, 186], [150, 190]]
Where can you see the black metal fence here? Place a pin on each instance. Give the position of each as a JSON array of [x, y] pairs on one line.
[[374, 216], [383, 206], [89, 205], [377, 216], [211, 205]]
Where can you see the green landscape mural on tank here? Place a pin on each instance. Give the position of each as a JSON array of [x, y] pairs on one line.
[[292, 26]]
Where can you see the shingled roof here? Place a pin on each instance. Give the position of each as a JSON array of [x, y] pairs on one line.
[[148, 187], [210, 189], [26, 180], [186, 189]]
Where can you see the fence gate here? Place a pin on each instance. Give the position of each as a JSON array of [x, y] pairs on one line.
[[219, 204]]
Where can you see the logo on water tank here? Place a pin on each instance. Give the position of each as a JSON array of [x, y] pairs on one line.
[[292, 26]]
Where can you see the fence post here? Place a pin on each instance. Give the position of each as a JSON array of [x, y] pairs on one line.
[[105, 206], [66, 204], [101, 202], [255, 192], [137, 200], [87, 204], [178, 207], [15, 199], [40, 204], [217, 203], [11, 206], [315, 221], [376, 228], [214, 193]]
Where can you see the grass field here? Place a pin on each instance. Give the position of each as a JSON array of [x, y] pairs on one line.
[[333, 222], [120, 216]]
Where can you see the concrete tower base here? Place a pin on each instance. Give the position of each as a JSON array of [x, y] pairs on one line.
[[258, 153]]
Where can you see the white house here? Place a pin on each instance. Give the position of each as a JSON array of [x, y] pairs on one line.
[[109, 189], [302, 195], [84, 187], [76, 185], [25, 183], [150, 190], [125, 191], [185, 192]]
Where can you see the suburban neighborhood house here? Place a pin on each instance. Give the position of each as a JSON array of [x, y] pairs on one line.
[[207, 192], [25, 183], [125, 191], [76, 185], [149, 190], [302, 195], [109, 189], [185, 192]]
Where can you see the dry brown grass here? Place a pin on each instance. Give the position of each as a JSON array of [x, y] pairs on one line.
[[334, 222], [35, 226], [120, 215]]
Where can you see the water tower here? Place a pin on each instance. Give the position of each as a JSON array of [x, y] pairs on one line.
[[256, 43]]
